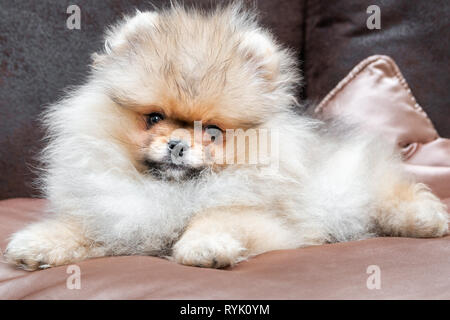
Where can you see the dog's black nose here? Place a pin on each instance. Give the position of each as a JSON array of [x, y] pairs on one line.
[[172, 143], [177, 148]]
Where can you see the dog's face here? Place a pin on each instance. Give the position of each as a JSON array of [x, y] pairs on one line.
[[190, 78]]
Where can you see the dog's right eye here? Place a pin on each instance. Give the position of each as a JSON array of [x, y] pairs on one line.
[[154, 118]]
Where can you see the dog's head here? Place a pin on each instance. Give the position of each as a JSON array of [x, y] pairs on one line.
[[188, 77]]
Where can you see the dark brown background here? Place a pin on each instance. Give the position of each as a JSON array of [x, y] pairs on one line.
[[39, 57]]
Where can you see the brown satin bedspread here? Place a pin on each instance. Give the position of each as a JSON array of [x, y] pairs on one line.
[[410, 269]]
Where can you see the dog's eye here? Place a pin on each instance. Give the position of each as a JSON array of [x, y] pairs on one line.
[[154, 118], [214, 131]]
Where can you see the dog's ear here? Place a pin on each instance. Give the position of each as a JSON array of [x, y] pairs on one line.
[[260, 49], [117, 38]]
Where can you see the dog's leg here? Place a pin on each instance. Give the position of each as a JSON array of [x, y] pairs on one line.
[[50, 243], [410, 209], [224, 236]]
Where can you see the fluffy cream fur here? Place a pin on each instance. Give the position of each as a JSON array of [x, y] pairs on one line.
[[111, 193]]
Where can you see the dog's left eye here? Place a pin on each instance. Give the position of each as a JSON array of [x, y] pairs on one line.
[[214, 131], [154, 118]]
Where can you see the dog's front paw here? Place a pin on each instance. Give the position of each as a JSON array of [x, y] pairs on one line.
[[30, 252], [209, 251], [45, 245]]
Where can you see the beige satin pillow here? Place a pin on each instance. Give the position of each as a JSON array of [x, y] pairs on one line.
[[376, 95]]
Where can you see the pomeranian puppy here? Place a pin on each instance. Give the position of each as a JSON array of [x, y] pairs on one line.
[[155, 154]]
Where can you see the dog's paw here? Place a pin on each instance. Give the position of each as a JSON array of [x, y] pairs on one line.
[[30, 252], [209, 251], [423, 216], [41, 246]]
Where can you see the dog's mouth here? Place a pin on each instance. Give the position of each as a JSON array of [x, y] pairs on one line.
[[167, 170]]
